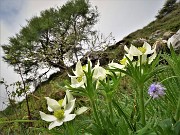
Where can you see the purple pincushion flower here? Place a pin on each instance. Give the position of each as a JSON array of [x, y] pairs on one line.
[[156, 90]]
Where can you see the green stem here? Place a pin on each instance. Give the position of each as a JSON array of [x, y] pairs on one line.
[[110, 109], [177, 115], [95, 111], [142, 107]]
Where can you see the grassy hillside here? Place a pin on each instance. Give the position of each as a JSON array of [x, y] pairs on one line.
[[55, 86], [169, 23]]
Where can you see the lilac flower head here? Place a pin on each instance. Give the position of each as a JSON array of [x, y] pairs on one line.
[[156, 90]]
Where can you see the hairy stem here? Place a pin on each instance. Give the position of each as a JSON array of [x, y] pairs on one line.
[[142, 107]]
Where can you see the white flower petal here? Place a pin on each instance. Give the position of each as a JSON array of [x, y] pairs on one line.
[[47, 117], [126, 49], [69, 95], [76, 84], [69, 107], [99, 72], [49, 109], [148, 48], [74, 80], [79, 70], [53, 104], [113, 65], [134, 51], [71, 75], [64, 101], [151, 58], [55, 124], [69, 117], [81, 110]]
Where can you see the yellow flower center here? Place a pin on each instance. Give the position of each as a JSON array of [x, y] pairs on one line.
[[59, 114], [60, 102], [79, 79], [142, 49], [123, 61]]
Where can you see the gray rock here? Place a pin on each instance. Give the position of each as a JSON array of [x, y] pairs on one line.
[[139, 41], [155, 35], [175, 41], [167, 35]]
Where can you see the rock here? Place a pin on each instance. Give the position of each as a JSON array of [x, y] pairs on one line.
[[161, 45], [157, 32], [175, 41], [167, 35], [139, 42], [155, 35]]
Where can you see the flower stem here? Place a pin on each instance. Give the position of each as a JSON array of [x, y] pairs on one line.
[[110, 109], [142, 107], [95, 111], [177, 115]]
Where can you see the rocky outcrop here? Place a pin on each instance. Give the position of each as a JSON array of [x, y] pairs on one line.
[[175, 41], [167, 35]]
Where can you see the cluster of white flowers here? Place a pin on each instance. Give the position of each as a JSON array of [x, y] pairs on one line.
[[140, 52], [79, 78], [62, 110], [99, 73]]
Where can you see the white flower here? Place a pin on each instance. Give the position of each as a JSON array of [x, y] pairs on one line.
[[99, 72], [79, 79], [142, 51], [62, 110]]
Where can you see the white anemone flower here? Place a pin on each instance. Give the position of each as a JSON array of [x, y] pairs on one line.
[[99, 72], [62, 110], [142, 51], [79, 79]]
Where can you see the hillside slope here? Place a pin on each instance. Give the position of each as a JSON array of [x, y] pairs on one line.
[[159, 29]]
